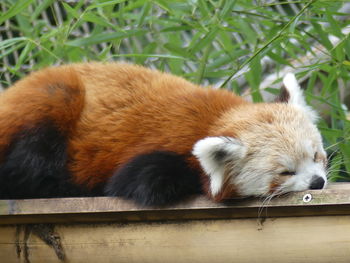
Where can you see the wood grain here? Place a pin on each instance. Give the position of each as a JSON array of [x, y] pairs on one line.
[[332, 201], [296, 239], [105, 229]]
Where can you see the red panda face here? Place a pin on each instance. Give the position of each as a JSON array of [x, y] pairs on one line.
[[286, 156], [275, 148]]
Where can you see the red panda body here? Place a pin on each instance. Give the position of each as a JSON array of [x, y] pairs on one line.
[[91, 127], [132, 110]]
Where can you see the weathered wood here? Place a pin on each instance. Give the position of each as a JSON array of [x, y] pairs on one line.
[[332, 201], [289, 229], [298, 239]]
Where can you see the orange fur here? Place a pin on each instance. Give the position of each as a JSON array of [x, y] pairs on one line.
[[113, 112], [55, 93]]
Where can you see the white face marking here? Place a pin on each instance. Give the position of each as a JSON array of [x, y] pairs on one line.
[[303, 178], [306, 170], [257, 175], [286, 164], [252, 181]]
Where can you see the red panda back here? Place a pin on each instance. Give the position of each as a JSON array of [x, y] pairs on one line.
[[130, 110]]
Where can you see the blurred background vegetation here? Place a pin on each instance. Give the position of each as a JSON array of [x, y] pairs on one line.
[[242, 45]]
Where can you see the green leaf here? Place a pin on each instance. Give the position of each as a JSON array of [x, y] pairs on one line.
[[323, 36], [71, 10], [163, 4], [278, 58], [254, 79], [335, 26], [18, 7], [11, 42], [346, 63], [98, 20], [150, 56], [104, 37], [104, 4], [227, 8], [144, 13], [205, 41], [39, 9], [204, 9], [24, 55], [178, 50]]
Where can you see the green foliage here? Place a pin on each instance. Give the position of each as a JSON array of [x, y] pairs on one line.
[[216, 41]]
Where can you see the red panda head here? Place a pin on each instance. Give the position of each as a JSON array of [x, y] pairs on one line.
[[264, 149]]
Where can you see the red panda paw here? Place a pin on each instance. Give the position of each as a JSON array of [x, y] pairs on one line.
[[154, 179]]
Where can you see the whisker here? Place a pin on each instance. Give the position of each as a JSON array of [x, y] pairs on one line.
[[267, 200], [340, 170], [331, 155], [337, 170], [264, 204], [342, 159], [337, 162], [338, 142]]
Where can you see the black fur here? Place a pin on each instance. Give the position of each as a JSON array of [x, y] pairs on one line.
[[35, 166], [154, 179], [220, 155]]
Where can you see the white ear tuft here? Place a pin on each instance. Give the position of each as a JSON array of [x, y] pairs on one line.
[[213, 153], [295, 95], [291, 84]]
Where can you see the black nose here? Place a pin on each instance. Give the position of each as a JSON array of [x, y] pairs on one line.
[[317, 182]]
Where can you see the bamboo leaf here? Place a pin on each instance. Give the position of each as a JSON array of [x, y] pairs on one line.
[[19, 6], [104, 37]]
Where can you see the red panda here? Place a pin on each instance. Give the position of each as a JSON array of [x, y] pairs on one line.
[[122, 130]]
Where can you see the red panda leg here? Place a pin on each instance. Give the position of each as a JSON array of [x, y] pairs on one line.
[[36, 117], [157, 178]]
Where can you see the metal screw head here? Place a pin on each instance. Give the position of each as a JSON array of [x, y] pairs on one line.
[[307, 198]]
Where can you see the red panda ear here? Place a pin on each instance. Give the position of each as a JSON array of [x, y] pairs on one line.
[[283, 97], [292, 94], [213, 153]]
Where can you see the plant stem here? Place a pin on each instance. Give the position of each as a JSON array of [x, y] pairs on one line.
[[202, 65], [267, 44]]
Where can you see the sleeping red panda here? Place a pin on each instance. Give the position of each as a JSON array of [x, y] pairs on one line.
[[123, 130]]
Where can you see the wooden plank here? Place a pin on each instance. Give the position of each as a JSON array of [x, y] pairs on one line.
[[296, 239], [332, 201], [75, 230]]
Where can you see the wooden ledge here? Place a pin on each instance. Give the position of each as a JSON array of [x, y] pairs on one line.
[[305, 227], [335, 200]]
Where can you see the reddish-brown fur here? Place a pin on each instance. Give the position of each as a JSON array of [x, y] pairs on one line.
[[54, 93], [112, 112]]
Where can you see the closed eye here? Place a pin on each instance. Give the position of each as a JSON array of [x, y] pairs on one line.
[[287, 173]]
